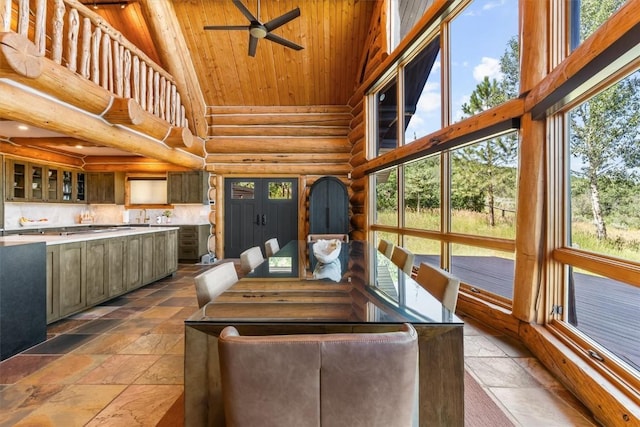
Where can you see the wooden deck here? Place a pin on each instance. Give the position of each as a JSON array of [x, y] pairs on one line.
[[607, 311]]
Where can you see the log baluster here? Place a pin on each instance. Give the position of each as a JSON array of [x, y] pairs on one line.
[[117, 68], [163, 94], [127, 73], [85, 49], [150, 90], [40, 35], [72, 40], [5, 15], [136, 77], [95, 56], [172, 115], [23, 18], [156, 94], [58, 28], [104, 61], [142, 82], [167, 101]]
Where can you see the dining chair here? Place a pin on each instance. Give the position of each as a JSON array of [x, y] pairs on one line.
[[440, 283], [346, 379], [271, 246], [315, 237], [403, 258], [250, 259], [386, 247], [214, 282]]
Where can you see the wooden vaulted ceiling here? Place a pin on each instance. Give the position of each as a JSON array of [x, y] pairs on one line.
[[332, 32]]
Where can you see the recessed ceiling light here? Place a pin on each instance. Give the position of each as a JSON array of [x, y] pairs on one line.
[[79, 146], [23, 127]]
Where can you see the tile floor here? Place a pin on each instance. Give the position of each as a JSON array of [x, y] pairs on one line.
[[121, 364]]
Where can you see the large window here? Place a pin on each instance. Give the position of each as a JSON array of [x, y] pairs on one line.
[[484, 57], [603, 197]]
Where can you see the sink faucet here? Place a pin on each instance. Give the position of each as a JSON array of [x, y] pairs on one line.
[[143, 216]]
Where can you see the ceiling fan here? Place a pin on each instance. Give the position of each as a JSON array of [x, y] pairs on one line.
[[259, 30]]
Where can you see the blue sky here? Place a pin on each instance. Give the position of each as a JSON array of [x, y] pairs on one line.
[[479, 37]]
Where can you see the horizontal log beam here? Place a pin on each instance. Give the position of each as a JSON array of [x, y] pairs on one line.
[[124, 111], [276, 168], [41, 155], [477, 127], [280, 158], [614, 44], [278, 131], [279, 109], [266, 145], [179, 137], [37, 110], [304, 119]]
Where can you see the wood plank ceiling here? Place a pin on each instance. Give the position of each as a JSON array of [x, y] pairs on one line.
[[332, 32]]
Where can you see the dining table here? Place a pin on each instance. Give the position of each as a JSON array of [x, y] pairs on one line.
[[360, 291]]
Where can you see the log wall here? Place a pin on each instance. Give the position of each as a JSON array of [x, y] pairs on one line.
[[304, 142]]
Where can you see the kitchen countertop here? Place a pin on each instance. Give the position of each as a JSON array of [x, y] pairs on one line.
[[81, 236]]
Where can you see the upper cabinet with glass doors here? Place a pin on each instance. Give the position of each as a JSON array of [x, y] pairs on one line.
[[32, 182]]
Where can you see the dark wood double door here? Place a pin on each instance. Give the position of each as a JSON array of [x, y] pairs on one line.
[[257, 209]]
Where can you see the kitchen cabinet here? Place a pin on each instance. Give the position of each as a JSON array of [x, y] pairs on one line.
[[17, 181], [187, 187], [82, 274], [105, 187], [148, 257], [192, 242], [72, 278], [132, 262], [34, 182], [97, 270]]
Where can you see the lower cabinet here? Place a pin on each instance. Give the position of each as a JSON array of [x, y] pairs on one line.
[[97, 271], [72, 278], [83, 274], [193, 242]]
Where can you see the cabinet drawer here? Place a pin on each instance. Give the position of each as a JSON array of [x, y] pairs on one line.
[[188, 243], [188, 253]]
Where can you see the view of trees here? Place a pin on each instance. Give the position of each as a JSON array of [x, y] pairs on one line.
[[605, 142]]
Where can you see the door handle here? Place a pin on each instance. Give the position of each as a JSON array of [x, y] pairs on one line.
[[257, 219], [264, 220]]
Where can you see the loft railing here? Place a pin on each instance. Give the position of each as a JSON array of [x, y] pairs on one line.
[[70, 34]]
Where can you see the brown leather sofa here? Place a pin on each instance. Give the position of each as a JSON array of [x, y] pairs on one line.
[[352, 379]]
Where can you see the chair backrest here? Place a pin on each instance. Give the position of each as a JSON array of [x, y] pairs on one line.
[[351, 379], [215, 281], [316, 237], [250, 259], [403, 258], [441, 284], [271, 246], [386, 247]]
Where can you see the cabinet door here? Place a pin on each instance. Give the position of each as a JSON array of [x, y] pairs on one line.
[[328, 207], [53, 283], [159, 255], [174, 187], [133, 262], [172, 251], [17, 181], [53, 185], [148, 257], [72, 278], [116, 266], [97, 270], [37, 189], [194, 188], [101, 187]]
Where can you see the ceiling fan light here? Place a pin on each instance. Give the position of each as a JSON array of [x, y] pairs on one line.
[[258, 32]]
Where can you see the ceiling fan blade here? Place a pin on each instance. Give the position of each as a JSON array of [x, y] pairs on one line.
[[281, 20], [244, 10], [282, 41], [226, 27], [253, 44]]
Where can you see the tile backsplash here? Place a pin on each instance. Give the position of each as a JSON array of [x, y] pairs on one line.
[[63, 214]]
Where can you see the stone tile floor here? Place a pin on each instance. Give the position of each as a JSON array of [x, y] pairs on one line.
[[121, 364]]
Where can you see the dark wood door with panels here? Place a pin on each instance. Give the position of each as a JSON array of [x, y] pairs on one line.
[[257, 209]]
